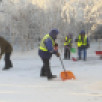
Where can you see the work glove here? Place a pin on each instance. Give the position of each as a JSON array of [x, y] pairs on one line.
[[56, 47], [58, 54]]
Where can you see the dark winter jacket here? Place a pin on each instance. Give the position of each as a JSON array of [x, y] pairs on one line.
[[48, 44], [5, 46], [47, 54]]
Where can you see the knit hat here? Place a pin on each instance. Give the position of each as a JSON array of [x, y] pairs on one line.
[[53, 33], [82, 32]]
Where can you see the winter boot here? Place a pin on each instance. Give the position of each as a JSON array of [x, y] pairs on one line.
[[42, 72], [51, 77], [79, 58], [8, 65], [6, 68]]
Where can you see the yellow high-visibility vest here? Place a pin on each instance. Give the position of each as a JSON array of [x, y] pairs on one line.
[[67, 41], [80, 43], [42, 44]]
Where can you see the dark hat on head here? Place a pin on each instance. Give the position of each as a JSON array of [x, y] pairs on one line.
[[82, 32], [53, 33]]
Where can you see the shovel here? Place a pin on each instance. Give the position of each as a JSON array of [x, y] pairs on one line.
[[73, 50], [66, 75]]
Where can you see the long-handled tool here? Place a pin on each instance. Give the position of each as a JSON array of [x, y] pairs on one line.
[[65, 75]]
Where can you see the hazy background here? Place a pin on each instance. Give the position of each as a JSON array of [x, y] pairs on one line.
[[24, 22]]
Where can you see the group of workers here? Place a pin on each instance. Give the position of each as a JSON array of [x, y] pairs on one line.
[[82, 44], [48, 47]]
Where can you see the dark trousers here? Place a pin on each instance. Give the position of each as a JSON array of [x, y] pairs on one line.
[[82, 51], [8, 63], [66, 53], [45, 70]]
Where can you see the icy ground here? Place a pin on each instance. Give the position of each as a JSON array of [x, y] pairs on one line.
[[22, 83]]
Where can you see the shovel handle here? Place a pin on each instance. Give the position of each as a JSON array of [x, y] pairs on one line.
[[62, 63]]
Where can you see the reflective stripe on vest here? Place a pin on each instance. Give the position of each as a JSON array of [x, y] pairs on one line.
[[67, 41], [42, 44], [80, 43]]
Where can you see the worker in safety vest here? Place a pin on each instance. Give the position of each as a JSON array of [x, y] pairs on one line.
[[83, 44], [67, 45], [47, 48]]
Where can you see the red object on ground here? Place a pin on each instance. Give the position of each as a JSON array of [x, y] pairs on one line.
[[98, 52], [74, 59]]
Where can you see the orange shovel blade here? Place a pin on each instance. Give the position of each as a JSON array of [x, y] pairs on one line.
[[67, 75]]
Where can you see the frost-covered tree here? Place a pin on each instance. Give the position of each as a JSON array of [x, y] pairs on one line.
[[24, 22]]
